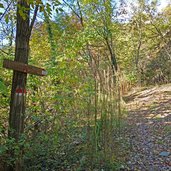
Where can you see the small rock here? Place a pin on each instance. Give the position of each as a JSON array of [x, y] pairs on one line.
[[164, 154]]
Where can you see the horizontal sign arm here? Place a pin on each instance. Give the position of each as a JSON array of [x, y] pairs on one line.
[[25, 68]]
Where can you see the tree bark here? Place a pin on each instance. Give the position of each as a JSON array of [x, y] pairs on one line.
[[17, 104]]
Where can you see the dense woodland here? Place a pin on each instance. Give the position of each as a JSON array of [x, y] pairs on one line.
[[95, 52]]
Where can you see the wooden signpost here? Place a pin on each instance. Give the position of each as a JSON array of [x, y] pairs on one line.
[[17, 104], [21, 67], [18, 98], [24, 25], [20, 91]]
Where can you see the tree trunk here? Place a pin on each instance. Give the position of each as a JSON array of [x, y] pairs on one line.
[[17, 104]]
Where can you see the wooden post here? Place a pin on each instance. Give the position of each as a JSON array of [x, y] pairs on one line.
[[17, 104], [18, 98]]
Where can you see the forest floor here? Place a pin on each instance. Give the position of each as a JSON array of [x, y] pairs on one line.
[[149, 128]]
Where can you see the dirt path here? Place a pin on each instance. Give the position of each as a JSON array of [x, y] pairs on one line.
[[149, 130]]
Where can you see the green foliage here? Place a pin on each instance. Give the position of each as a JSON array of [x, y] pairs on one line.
[[74, 114], [1, 5], [3, 88]]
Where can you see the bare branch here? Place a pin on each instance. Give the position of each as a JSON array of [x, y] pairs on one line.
[[5, 11], [6, 53], [81, 15], [34, 18], [72, 9]]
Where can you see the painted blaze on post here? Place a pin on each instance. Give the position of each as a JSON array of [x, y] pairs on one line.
[[19, 95]]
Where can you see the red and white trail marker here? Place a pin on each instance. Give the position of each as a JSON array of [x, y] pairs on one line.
[[19, 95], [20, 91]]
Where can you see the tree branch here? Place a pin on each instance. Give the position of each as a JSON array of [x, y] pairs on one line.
[[81, 15], [5, 11], [6, 53], [72, 9], [33, 20]]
